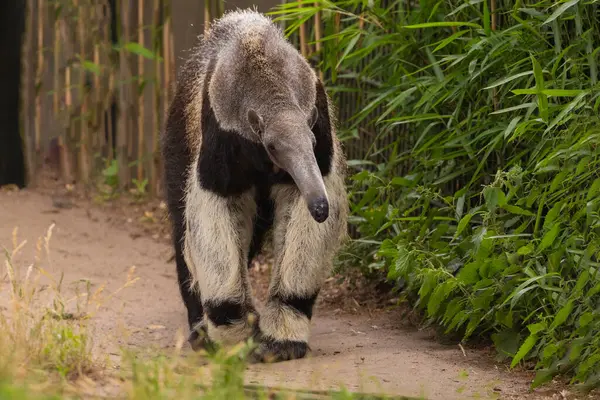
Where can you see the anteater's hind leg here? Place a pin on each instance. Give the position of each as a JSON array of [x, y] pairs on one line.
[[191, 298], [304, 251], [217, 239]]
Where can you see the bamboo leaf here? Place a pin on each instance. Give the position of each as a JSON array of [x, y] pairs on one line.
[[92, 67], [511, 127], [549, 237], [552, 214], [564, 92], [441, 24], [464, 222], [349, 48], [508, 79], [486, 19], [524, 349], [566, 112], [138, 49], [539, 84], [514, 108], [562, 315], [449, 40], [594, 190], [517, 210], [560, 10]]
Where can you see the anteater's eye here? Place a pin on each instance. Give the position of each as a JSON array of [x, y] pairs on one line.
[[271, 147]]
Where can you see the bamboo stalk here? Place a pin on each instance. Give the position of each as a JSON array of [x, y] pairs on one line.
[[56, 72], [166, 55], [337, 23], [68, 94], [98, 121], [493, 12], [68, 105], [109, 116], [590, 51], [318, 36], [68, 52], [123, 125], [129, 101], [84, 171], [206, 15], [108, 99], [172, 53], [140, 122], [494, 90], [62, 153], [26, 90], [156, 101], [40, 75], [220, 8], [303, 46]]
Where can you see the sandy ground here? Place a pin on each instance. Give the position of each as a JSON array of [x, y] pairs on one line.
[[372, 352]]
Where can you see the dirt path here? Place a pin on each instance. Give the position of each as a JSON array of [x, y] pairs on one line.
[[374, 353]]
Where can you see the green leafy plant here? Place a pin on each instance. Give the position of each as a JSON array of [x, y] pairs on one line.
[[480, 194], [139, 192], [108, 183]]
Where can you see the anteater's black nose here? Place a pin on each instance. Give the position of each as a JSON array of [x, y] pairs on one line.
[[319, 209]]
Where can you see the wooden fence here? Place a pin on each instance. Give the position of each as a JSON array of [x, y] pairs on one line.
[[97, 81]]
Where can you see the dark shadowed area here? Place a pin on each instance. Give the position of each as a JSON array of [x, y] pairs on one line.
[[12, 161]]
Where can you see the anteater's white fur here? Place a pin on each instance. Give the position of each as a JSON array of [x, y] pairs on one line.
[[304, 252], [216, 242], [219, 230]]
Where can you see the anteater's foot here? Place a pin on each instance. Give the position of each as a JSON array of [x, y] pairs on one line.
[[271, 351], [199, 339]]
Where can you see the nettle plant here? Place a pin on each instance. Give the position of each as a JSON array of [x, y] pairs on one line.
[[491, 108]]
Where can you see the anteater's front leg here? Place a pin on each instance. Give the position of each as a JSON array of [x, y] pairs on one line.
[[304, 251], [218, 234]]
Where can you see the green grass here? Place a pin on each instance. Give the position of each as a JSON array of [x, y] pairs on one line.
[[480, 196]]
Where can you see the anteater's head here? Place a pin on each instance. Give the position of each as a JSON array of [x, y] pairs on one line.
[[289, 141], [266, 90]]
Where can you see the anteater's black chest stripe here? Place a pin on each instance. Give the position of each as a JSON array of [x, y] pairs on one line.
[[229, 164]]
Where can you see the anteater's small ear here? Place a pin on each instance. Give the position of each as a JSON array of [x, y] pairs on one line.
[[256, 123], [314, 115]]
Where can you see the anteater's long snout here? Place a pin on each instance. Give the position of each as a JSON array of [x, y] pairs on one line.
[[305, 172]]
